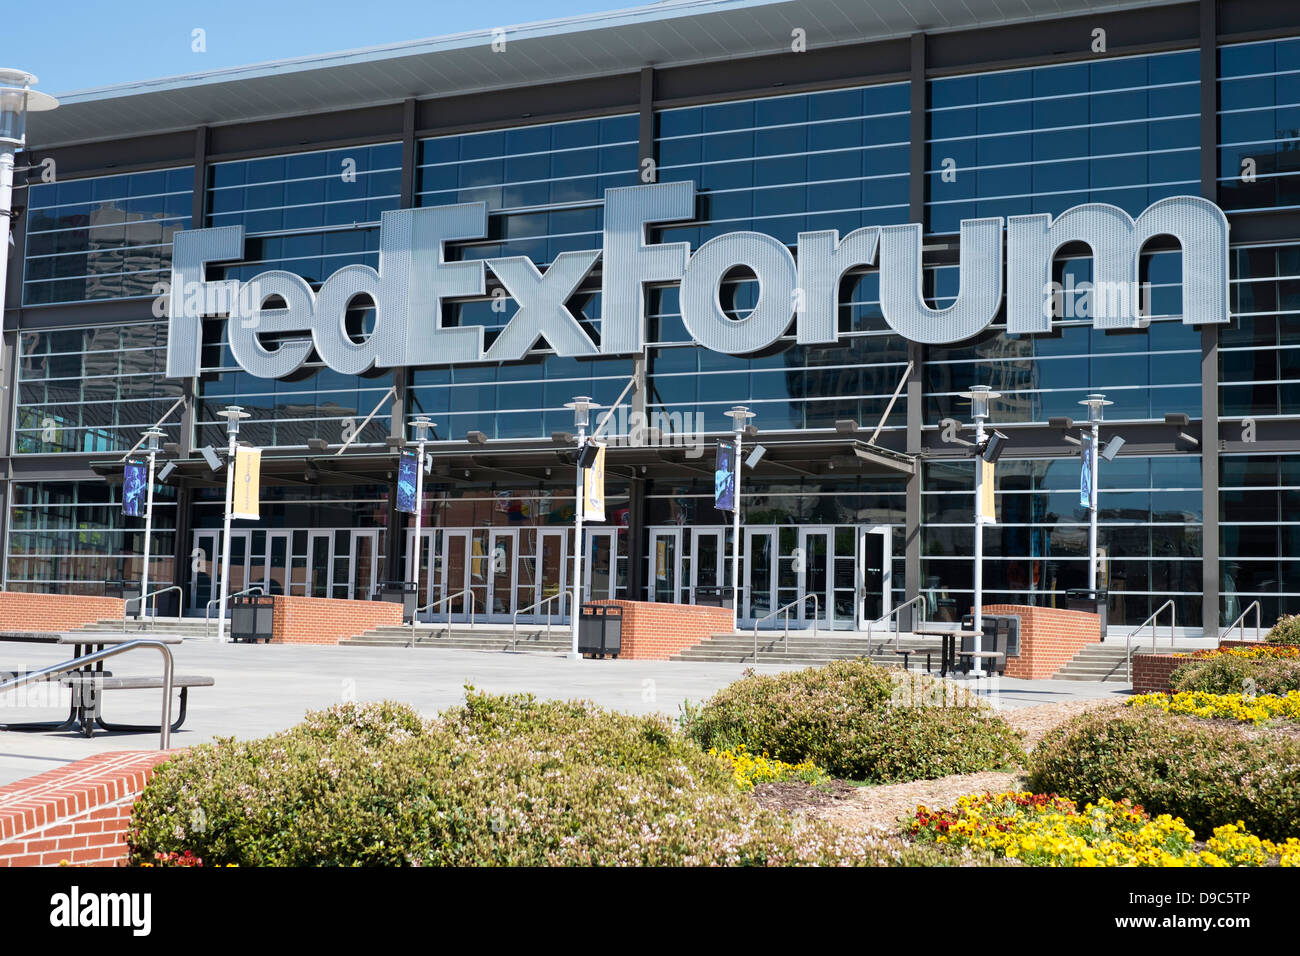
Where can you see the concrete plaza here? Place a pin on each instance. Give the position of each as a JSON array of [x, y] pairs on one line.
[[264, 688]]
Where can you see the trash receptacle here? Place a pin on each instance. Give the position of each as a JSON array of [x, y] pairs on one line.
[[600, 629], [251, 616], [404, 593], [712, 596], [1095, 602], [128, 591], [1001, 634]]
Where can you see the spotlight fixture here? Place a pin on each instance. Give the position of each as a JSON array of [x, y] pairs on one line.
[[1112, 448], [994, 446], [476, 438], [1180, 419], [845, 426], [589, 452], [317, 444], [172, 449], [755, 457], [167, 469], [562, 438], [1061, 421], [210, 456]]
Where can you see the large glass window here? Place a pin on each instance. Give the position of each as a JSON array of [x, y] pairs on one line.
[[1148, 533], [1259, 560], [1259, 125], [92, 390], [1259, 353], [104, 237], [1124, 130], [544, 185], [784, 164], [70, 537]]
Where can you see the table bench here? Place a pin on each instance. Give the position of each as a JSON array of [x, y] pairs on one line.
[[89, 684]]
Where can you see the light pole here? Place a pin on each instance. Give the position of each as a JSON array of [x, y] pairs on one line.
[[17, 99], [740, 416], [233, 415], [1096, 403], [979, 396], [582, 406], [421, 425], [154, 436]]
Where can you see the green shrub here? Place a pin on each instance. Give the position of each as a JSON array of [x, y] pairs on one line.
[[500, 781], [1209, 774], [858, 721], [1285, 631], [1226, 674]]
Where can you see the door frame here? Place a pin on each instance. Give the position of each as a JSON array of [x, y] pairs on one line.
[[558, 608], [611, 536], [771, 532], [312, 538], [448, 587], [825, 600], [674, 533], [886, 533], [720, 569], [490, 576], [271, 535], [357, 535]]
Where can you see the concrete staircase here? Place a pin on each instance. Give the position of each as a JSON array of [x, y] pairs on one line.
[[186, 627], [1105, 662], [531, 639], [808, 649]]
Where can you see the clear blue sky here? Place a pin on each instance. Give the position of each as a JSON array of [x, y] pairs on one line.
[[80, 44]]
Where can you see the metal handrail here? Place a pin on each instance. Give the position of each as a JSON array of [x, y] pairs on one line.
[[207, 610], [1128, 641], [514, 621], [1240, 622], [906, 604], [785, 643], [78, 663], [145, 597], [450, 597]]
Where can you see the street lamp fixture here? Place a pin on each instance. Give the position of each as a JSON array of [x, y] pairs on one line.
[[1096, 403], [581, 407], [421, 426], [740, 416], [979, 396], [233, 414], [153, 439]]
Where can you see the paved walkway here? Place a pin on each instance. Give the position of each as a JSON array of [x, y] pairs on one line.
[[263, 688]]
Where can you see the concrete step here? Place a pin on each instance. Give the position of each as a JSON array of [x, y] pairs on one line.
[[1106, 662]]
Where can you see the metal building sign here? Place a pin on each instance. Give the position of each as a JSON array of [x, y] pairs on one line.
[[415, 278]]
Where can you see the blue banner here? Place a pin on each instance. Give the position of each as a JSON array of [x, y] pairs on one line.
[[408, 466], [1085, 473], [135, 483], [724, 477]]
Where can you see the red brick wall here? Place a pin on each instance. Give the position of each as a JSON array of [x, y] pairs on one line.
[[655, 631], [1151, 672], [78, 813], [54, 612], [1049, 638], [306, 620]]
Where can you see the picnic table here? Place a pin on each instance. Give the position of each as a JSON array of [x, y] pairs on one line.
[[950, 651], [89, 683]]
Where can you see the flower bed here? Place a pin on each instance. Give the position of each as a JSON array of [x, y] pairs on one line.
[[1240, 707], [1262, 651], [748, 769], [1047, 830]]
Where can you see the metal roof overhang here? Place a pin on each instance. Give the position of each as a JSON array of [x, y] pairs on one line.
[[788, 454], [663, 35]]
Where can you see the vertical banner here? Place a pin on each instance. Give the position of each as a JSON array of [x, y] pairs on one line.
[[593, 488], [1085, 473], [724, 477], [408, 467], [248, 474], [134, 481], [988, 510]]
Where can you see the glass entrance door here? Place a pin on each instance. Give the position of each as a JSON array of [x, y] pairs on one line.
[[707, 559], [276, 580], [600, 565], [875, 584], [814, 566], [204, 569], [759, 574], [320, 561], [457, 556], [426, 586], [503, 547], [666, 565], [365, 565], [551, 574]]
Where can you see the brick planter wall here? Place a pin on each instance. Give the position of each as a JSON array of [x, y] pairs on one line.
[[1151, 672], [54, 612], [656, 631], [1049, 638], [306, 620], [78, 813]]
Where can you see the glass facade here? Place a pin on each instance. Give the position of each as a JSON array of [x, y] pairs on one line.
[[106, 237], [1123, 130]]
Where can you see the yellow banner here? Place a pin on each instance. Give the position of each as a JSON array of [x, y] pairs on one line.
[[248, 473], [988, 510], [593, 489]]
